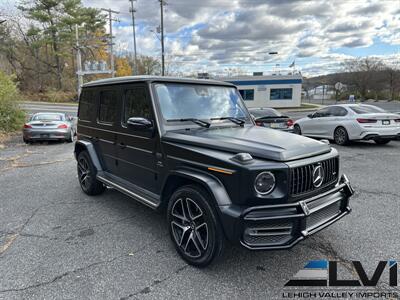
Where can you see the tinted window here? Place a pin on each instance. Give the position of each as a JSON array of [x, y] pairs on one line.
[[281, 94], [338, 111], [247, 95], [108, 106], [325, 112], [136, 104], [86, 104], [366, 109]]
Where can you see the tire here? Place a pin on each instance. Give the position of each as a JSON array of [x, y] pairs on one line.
[[70, 139], [27, 141], [341, 136], [297, 129], [381, 142], [194, 226], [87, 175]]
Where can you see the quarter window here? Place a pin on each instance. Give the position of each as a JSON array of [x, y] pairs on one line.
[[247, 95], [136, 104], [281, 94], [108, 106], [86, 104]]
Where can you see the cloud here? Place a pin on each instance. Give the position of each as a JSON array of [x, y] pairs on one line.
[[239, 32]]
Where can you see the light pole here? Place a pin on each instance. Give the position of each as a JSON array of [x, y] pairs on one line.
[[132, 11], [162, 38]]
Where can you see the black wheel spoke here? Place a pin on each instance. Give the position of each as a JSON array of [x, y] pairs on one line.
[[189, 227]]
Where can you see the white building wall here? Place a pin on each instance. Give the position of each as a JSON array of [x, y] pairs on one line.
[[262, 92]]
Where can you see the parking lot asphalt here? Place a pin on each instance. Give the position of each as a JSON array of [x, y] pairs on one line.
[[58, 243]]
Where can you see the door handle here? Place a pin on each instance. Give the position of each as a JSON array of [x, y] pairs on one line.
[[122, 145]]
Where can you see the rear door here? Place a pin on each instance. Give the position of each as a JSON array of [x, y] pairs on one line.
[[137, 147], [104, 135]]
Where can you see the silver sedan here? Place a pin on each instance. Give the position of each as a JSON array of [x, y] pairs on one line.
[[349, 122], [49, 126]]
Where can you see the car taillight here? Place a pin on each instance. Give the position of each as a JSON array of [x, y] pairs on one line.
[[397, 120], [62, 126], [27, 126], [289, 123], [361, 120], [258, 123]]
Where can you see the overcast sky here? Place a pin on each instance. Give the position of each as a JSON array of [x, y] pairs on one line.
[[215, 35]]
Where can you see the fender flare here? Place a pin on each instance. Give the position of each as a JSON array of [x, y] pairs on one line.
[[88, 146], [212, 184]]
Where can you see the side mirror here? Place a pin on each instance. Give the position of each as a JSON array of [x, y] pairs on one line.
[[139, 123], [310, 116]]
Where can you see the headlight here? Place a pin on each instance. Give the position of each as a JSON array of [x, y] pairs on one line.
[[264, 183]]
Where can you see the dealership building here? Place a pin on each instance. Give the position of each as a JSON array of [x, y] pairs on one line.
[[269, 91]]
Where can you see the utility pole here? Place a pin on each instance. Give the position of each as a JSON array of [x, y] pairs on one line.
[[78, 61], [162, 3], [132, 11], [111, 44]]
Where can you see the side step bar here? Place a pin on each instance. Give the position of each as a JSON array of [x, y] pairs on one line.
[[127, 192]]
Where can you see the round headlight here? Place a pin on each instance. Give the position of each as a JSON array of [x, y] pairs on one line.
[[264, 183]]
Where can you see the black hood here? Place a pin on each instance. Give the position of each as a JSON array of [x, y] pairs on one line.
[[260, 142]]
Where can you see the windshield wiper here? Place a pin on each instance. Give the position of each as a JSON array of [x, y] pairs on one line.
[[232, 119], [194, 120]]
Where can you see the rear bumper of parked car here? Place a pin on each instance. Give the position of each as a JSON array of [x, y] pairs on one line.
[[384, 133], [48, 134], [282, 226]]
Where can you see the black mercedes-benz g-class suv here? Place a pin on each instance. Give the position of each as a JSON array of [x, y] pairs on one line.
[[190, 147]]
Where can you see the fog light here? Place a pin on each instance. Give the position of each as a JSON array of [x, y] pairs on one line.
[[264, 183]]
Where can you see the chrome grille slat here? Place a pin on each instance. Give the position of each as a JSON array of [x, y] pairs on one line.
[[301, 180]]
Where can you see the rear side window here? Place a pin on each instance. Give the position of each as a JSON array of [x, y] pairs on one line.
[[86, 104], [136, 104], [108, 106], [338, 111]]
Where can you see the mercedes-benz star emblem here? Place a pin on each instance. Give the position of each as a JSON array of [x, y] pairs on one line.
[[318, 176]]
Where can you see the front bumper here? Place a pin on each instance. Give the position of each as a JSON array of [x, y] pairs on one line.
[[282, 226]]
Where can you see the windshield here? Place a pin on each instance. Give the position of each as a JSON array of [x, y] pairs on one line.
[[47, 117], [195, 101], [366, 109]]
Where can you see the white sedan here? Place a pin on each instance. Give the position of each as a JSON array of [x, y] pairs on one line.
[[348, 122]]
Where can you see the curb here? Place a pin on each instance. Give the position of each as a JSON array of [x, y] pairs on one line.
[[316, 107]]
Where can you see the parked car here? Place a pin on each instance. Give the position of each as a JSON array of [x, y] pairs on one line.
[[190, 148], [351, 122], [269, 117], [49, 126]]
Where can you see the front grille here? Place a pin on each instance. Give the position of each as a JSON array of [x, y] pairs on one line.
[[301, 178], [323, 215]]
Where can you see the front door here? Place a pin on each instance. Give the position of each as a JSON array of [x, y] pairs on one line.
[[137, 147]]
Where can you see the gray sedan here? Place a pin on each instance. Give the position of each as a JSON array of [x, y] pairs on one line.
[[49, 126]]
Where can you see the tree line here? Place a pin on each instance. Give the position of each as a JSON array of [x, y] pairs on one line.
[[38, 45]]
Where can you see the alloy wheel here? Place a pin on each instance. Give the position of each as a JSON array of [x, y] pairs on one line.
[[84, 172], [189, 228], [340, 136]]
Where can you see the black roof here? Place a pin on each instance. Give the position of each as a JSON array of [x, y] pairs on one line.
[[128, 79]]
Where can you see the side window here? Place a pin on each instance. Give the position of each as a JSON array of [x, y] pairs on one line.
[[108, 106], [247, 95], [325, 112], [338, 111], [86, 104], [136, 104]]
